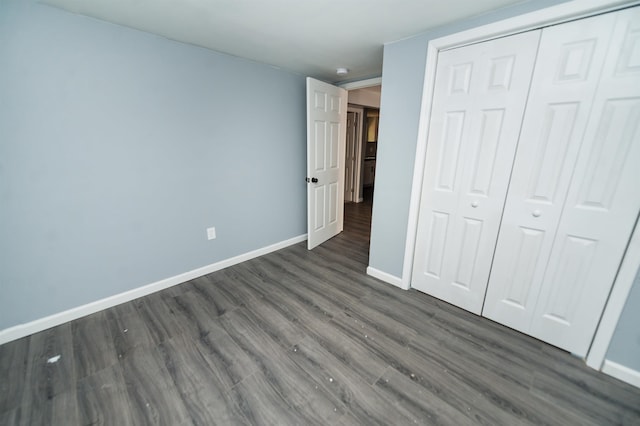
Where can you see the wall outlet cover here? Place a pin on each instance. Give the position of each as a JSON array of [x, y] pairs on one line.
[[211, 233]]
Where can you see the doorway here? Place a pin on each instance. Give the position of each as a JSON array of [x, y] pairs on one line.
[[328, 109], [361, 144]]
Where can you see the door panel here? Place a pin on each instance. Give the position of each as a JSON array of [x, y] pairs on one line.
[[549, 165], [451, 141], [471, 239], [326, 121], [528, 246], [485, 161], [564, 83], [602, 202], [479, 98], [438, 237], [320, 200]]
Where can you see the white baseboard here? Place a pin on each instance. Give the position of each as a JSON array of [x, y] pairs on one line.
[[621, 372], [22, 330], [387, 278]]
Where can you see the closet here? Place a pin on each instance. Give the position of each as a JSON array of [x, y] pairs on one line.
[[531, 187]]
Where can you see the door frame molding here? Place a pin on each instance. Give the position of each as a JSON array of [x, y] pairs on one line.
[[615, 304], [357, 193], [564, 12], [361, 84], [354, 85]]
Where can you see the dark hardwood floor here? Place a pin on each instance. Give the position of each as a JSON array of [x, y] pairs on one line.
[[298, 337]]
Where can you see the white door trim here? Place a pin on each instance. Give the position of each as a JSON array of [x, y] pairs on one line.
[[361, 84], [564, 12], [621, 372], [357, 194], [617, 298]]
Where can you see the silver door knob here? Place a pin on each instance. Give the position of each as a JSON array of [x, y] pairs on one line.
[[536, 213], [474, 204]]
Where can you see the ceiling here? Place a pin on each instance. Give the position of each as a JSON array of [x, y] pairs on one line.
[[310, 37]]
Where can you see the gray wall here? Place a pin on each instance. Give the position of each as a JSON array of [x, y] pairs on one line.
[[118, 148], [625, 344], [402, 81]]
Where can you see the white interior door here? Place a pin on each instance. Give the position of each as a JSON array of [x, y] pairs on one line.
[[602, 203], [350, 158], [326, 121], [565, 80], [479, 98]]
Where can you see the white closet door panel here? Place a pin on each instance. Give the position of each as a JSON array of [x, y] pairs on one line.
[[479, 97], [568, 68], [602, 203]]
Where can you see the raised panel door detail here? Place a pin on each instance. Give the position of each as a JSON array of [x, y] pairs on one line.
[[320, 208], [575, 62], [320, 146], [469, 244], [612, 143], [629, 59], [521, 269], [460, 78], [501, 73], [335, 104], [451, 140], [320, 101], [333, 202], [478, 103], [575, 258], [436, 243], [334, 146], [568, 67], [489, 141], [551, 151]]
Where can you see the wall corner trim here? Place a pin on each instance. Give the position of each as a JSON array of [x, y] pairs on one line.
[[621, 372], [387, 278], [41, 324]]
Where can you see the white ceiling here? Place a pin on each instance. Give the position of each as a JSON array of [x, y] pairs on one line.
[[310, 37]]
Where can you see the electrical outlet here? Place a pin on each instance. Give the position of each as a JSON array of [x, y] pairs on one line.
[[211, 233]]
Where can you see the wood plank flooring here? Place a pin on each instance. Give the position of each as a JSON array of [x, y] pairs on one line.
[[299, 337]]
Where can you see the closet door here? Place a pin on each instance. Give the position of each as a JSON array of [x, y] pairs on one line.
[[479, 97], [573, 198], [602, 204], [565, 79]]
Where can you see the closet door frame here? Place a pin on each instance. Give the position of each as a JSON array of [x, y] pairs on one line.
[[564, 12]]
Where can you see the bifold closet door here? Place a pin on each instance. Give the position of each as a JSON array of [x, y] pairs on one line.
[[573, 198], [602, 204], [479, 97]]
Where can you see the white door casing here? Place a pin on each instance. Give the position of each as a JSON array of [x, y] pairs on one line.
[[350, 157], [478, 103], [359, 152], [602, 203], [564, 83], [326, 121]]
